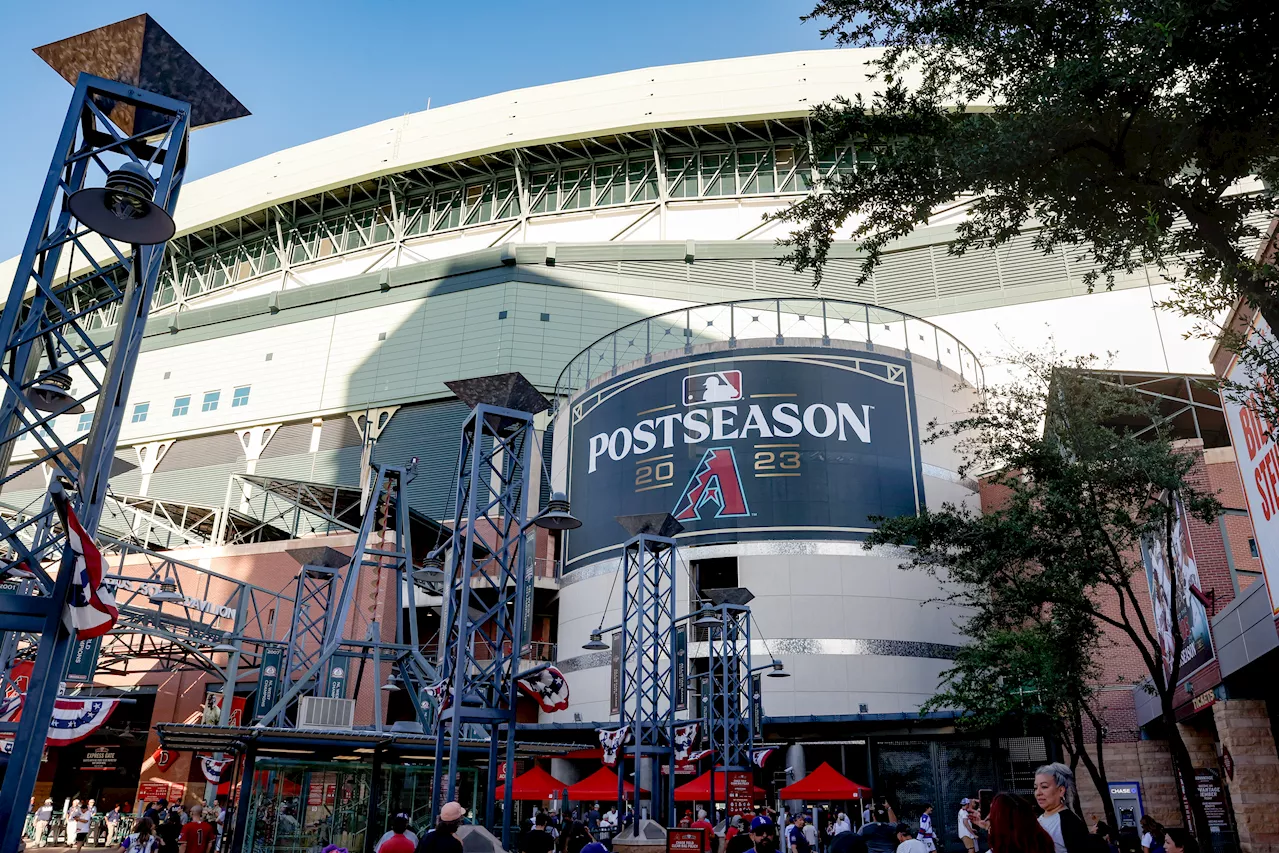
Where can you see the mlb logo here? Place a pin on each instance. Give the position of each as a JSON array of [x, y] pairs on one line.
[[723, 386]]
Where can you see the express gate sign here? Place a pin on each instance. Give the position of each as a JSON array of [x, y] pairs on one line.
[[761, 443]]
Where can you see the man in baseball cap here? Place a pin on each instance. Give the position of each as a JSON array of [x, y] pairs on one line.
[[443, 839]]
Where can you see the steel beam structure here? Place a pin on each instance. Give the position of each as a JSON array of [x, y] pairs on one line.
[[648, 673], [47, 307], [488, 596], [730, 712]]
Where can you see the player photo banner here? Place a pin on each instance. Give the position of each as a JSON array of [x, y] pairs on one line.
[[777, 443], [611, 740], [1170, 577], [686, 738]]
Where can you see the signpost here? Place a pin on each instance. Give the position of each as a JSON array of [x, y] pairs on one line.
[[739, 792], [84, 660], [685, 840], [101, 757]]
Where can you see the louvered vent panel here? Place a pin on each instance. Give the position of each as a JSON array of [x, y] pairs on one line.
[[972, 272]]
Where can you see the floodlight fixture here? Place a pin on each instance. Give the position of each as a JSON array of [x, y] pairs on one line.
[[595, 643], [662, 524], [707, 618], [557, 515], [392, 685], [226, 646]]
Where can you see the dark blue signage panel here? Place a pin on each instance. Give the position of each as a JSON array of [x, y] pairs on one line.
[[771, 443]]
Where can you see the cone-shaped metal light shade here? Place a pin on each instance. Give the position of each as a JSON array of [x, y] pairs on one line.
[[707, 619], [124, 209], [53, 394], [557, 516], [226, 646], [166, 594], [778, 671], [661, 524], [595, 643], [392, 685]]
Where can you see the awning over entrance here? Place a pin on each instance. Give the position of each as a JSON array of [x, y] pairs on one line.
[[534, 784], [235, 739], [700, 789], [601, 785], [825, 783]]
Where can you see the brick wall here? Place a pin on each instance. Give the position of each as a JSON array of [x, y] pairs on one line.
[[1245, 731]]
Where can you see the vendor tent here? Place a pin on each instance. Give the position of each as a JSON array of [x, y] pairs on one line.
[[534, 784], [699, 790], [601, 785], [825, 783]]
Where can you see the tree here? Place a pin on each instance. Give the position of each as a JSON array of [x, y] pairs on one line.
[[1080, 489], [1135, 133], [1035, 669]]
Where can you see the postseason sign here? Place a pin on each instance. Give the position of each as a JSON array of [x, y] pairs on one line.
[[751, 444]]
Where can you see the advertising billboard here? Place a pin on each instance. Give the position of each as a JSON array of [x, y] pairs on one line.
[[750, 444], [1188, 616], [1258, 460]]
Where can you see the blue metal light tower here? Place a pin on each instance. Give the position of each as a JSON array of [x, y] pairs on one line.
[[489, 587], [648, 673], [109, 195], [729, 715]]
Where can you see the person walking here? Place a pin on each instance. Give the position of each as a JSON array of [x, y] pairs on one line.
[[443, 838], [1150, 826], [1054, 783], [964, 828], [926, 829], [1178, 840], [112, 823], [538, 839], [143, 839], [398, 839], [197, 834], [1014, 827], [78, 818], [169, 831], [44, 814]]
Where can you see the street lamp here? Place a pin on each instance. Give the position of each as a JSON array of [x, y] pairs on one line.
[[124, 209], [556, 516], [776, 670], [392, 685], [595, 643], [166, 594], [225, 645], [52, 392]]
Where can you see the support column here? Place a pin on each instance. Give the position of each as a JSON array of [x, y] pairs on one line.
[[253, 441], [1244, 730], [150, 455], [795, 764]]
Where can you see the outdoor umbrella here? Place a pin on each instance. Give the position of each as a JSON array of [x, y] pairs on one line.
[[700, 789], [533, 784], [825, 783], [601, 785]]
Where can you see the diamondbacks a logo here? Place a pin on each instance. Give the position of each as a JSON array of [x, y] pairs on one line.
[[715, 481]]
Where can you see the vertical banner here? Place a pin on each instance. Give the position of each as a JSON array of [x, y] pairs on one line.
[[680, 660], [1170, 577], [757, 706], [1259, 464], [526, 620], [615, 674], [335, 684], [84, 660], [269, 679]]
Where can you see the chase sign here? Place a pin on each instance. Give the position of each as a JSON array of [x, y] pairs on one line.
[[750, 444]]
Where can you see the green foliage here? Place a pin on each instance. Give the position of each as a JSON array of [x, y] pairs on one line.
[[1133, 133], [1082, 469]]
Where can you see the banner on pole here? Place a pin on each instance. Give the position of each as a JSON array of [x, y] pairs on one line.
[[84, 660], [615, 674], [680, 659], [269, 680]]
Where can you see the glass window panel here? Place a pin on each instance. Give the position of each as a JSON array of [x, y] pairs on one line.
[[240, 397], [210, 403], [181, 405], [139, 412], [86, 421]]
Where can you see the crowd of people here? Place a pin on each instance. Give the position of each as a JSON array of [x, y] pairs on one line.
[[161, 828]]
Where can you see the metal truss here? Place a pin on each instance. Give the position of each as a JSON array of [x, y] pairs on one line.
[[729, 714], [488, 593], [326, 614], [648, 673], [46, 307], [384, 217]]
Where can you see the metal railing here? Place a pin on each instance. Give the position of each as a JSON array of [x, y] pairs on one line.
[[768, 322]]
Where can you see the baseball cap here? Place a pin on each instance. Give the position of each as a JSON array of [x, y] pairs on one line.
[[450, 812], [595, 847], [760, 822], [964, 801]]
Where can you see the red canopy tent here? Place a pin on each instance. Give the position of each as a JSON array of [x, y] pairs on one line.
[[534, 784], [825, 783], [601, 785], [700, 789]]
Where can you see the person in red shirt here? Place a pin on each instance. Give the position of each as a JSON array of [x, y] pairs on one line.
[[197, 835], [707, 830]]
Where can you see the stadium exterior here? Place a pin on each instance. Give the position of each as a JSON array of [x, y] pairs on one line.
[[316, 300]]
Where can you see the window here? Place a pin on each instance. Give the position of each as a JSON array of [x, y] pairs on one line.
[[210, 403], [181, 405], [139, 412], [240, 397], [1253, 547], [86, 421]]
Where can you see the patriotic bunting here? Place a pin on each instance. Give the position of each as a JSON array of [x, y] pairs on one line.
[[610, 742], [760, 756], [214, 771], [548, 688], [93, 607]]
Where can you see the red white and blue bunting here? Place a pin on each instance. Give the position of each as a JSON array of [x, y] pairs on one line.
[[611, 740], [760, 756], [215, 772], [548, 688]]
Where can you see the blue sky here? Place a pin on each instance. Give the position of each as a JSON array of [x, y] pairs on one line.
[[308, 70]]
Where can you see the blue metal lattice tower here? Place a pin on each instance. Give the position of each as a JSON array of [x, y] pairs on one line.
[[648, 674]]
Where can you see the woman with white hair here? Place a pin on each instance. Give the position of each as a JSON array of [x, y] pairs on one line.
[[1054, 783]]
